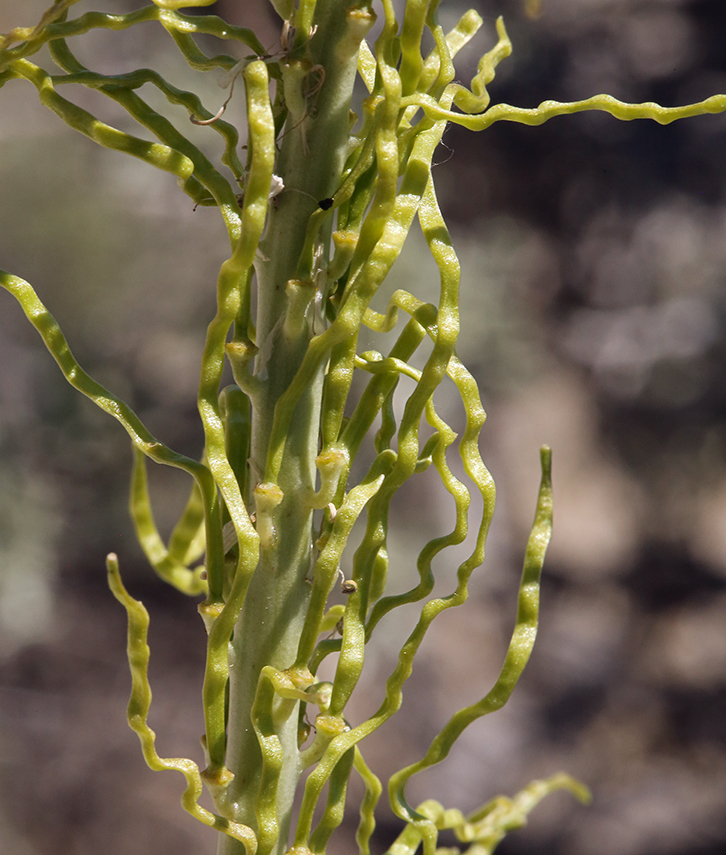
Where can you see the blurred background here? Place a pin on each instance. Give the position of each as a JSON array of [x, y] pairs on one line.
[[593, 306]]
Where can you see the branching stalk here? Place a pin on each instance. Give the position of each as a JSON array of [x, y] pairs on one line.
[[317, 211]]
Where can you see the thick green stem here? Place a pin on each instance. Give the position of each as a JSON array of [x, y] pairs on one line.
[[318, 84]]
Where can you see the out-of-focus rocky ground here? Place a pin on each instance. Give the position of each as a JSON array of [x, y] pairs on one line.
[[593, 306]]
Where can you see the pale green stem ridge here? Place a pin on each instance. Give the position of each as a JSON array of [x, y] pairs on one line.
[[318, 77]]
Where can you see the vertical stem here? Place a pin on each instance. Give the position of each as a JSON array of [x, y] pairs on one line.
[[318, 83]]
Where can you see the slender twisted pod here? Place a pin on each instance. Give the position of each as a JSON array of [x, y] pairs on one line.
[[233, 278], [175, 572], [147, 444], [518, 653]]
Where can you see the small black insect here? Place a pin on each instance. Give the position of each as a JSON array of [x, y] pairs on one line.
[[325, 204]]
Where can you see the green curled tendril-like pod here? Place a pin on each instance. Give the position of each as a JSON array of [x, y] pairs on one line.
[[487, 826], [373, 792], [335, 805], [231, 294], [174, 572], [275, 701], [122, 91], [187, 542], [182, 27], [138, 711], [326, 566], [222, 624], [233, 279], [174, 5], [55, 341], [157, 154], [112, 84], [236, 411], [518, 653], [483, 830], [29, 34]]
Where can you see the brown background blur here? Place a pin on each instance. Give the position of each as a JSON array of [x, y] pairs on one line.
[[593, 306]]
